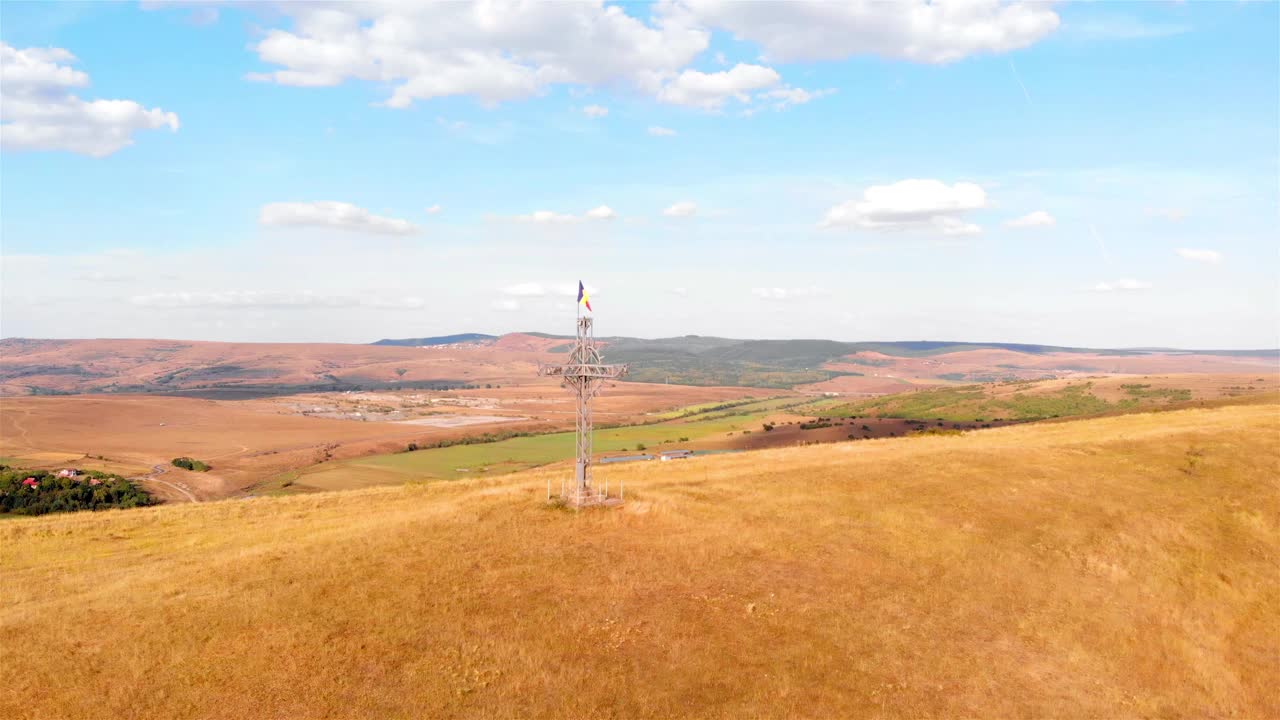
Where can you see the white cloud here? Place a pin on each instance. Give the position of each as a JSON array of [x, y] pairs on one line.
[[916, 30], [595, 111], [784, 97], [1124, 284], [528, 290], [710, 91], [494, 51], [550, 217], [507, 50], [1039, 218], [912, 205], [1171, 214], [685, 208], [399, 303], [271, 299], [659, 131], [777, 293], [340, 215], [525, 290], [434, 210], [679, 291], [39, 112], [955, 227], [1204, 256], [107, 277]]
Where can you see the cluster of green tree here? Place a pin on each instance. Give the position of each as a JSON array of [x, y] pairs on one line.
[[37, 492], [938, 431], [1145, 391], [715, 408], [482, 438], [192, 464]]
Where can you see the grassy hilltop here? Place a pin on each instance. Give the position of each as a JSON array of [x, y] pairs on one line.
[[1111, 567]]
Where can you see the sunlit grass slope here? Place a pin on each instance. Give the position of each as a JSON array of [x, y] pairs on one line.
[[1113, 567]]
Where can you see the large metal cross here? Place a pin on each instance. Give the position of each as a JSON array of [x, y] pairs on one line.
[[584, 374]]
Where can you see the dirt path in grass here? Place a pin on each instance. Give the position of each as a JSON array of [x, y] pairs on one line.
[[154, 476]]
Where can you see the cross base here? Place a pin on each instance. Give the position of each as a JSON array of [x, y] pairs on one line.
[[578, 500]]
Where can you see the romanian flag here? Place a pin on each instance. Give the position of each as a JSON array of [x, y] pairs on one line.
[[582, 296]]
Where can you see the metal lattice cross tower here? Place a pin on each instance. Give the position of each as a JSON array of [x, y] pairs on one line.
[[584, 375]]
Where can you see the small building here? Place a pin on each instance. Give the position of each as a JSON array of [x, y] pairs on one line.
[[67, 473], [674, 455]]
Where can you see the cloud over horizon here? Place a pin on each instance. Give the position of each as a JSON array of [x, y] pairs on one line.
[[684, 208], [783, 294], [1211, 257], [551, 217], [1122, 285], [912, 205], [332, 214], [1039, 218], [275, 299]]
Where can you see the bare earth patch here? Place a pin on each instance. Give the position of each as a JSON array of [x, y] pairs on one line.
[[449, 421]]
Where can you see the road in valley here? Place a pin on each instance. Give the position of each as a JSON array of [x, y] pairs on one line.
[[154, 476]]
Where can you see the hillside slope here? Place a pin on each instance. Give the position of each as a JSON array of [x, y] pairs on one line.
[[238, 370], [1114, 567], [218, 369]]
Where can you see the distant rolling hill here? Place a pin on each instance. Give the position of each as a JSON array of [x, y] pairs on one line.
[[439, 340], [702, 360], [808, 352], [31, 366]]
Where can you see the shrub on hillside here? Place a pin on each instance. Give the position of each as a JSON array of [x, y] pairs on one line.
[[192, 464], [937, 431]]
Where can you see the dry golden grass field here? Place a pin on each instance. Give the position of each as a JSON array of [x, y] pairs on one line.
[[1111, 567]]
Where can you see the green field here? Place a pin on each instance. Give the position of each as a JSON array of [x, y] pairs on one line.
[[521, 453], [716, 410], [706, 407], [976, 403], [971, 403]]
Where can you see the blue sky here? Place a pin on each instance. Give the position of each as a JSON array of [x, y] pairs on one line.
[[1099, 174]]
